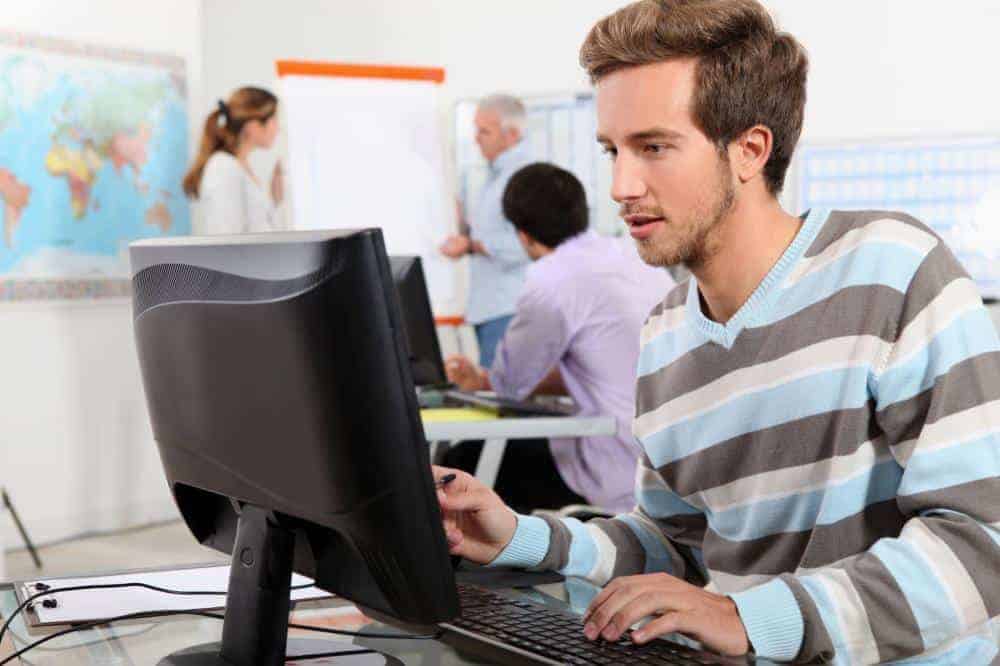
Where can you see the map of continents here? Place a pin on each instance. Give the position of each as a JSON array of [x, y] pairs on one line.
[[93, 147]]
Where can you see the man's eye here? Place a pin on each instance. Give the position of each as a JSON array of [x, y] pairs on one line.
[[654, 148], [609, 151]]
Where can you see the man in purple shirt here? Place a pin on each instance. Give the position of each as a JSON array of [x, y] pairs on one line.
[[575, 331]]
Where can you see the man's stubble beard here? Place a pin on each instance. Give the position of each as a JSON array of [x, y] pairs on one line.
[[692, 241]]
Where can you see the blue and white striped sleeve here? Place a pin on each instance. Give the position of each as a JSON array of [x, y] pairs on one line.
[[600, 550]]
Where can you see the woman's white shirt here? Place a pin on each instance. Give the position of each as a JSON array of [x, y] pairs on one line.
[[230, 201]]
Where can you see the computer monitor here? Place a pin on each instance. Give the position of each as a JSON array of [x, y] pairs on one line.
[[419, 329], [282, 404]]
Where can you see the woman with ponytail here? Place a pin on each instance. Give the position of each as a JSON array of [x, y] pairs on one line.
[[230, 197]]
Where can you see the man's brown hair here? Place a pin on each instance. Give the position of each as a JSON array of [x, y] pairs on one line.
[[747, 73]]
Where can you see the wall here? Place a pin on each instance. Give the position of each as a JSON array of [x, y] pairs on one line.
[[521, 45], [76, 451], [896, 68]]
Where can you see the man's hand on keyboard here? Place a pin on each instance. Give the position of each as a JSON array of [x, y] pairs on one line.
[[476, 521], [678, 606], [465, 374]]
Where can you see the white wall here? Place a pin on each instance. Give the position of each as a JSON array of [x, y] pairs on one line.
[[519, 45], [76, 451], [897, 68]]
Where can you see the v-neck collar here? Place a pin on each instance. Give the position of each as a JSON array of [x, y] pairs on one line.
[[760, 299]]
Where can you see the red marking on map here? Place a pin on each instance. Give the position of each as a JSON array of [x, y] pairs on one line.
[[14, 195]]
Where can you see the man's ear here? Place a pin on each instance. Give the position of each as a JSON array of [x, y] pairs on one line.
[[513, 135], [527, 242], [749, 153]]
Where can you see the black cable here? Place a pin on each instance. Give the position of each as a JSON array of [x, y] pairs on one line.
[[89, 625], [368, 634], [320, 655], [133, 616], [357, 634], [136, 616], [116, 586], [159, 614], [17, 638]]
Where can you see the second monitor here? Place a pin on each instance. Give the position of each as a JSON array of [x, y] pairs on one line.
[[421, 346], [419, 337]]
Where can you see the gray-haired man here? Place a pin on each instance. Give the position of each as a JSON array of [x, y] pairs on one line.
[[497, 260]]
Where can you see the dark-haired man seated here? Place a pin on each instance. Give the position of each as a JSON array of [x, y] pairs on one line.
[[575, 331]]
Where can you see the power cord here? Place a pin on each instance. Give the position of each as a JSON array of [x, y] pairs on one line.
[[120, 635], [88, 625], [159, 614]]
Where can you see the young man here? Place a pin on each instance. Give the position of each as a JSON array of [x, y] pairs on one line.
[[818, 407], [496, 260], [575, 331]]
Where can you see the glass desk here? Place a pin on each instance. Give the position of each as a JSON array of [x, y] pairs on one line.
[[144, 642]]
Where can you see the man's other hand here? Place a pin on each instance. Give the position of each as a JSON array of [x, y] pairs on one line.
[[477, 523], [465, 374], [456, 247], [676, 607]]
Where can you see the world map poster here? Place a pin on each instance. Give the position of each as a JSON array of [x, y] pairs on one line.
[[93, 148]]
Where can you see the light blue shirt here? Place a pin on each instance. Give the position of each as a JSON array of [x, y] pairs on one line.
[[495, 280]]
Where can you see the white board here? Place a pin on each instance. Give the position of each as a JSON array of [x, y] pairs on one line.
[[366, 151]]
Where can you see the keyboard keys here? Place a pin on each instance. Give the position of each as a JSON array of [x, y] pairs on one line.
[[558, 636]]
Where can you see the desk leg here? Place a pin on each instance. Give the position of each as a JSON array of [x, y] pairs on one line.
[[489, 461]]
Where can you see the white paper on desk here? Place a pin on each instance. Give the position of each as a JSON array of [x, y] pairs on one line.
[[89, 605]]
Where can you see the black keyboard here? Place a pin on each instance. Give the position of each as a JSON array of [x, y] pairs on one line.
[[509, 406], [538, 634]]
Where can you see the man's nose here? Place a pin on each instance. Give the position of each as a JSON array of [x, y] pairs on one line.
[[626, 180]]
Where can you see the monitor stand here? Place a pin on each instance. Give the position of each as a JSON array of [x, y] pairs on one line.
[[255, 631]]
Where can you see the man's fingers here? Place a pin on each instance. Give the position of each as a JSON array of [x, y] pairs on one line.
[[458, 483], [599, 616], [449, 519], [461, 493], [468, 501], [668, 623], [457, 362], [643, 605], [454, 536], [609, 589], [439, 472]]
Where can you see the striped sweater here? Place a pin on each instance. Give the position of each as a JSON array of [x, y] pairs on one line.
[[829, 458]]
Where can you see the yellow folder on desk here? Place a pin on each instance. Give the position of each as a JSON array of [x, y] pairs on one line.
[[449, 414]]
